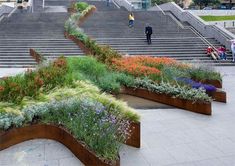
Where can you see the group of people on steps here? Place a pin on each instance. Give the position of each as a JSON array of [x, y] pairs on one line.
[[220, 53], [216, 54]]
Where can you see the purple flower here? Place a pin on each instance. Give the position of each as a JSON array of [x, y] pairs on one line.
[[196, 85]]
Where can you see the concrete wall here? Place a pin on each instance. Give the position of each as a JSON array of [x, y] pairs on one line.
[[225, 24], [212, 12], [219, 33]]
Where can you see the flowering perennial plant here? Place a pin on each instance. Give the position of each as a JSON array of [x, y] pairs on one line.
[[197, 85], [99, 127], [144, 65], [136, 66], [14, 89], [183, 92]]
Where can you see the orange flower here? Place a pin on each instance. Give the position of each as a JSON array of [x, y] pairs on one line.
[[1, 88]]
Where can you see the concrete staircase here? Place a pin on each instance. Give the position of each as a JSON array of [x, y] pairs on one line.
[[168, 39], [41, 31]]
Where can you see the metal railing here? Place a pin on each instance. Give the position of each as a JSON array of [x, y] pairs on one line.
[[204, 40], [124, 3]]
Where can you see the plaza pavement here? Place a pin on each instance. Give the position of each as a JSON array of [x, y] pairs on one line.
[[171, 137]]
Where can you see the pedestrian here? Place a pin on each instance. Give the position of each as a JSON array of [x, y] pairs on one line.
[[131, 20], [148, 33], [233, 49], [108, 2]]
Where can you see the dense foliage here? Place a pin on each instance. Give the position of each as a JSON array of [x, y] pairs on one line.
[[14, 89], [98, 73], [103, 53]]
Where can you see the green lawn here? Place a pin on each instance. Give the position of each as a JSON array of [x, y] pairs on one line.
[[217, 18]]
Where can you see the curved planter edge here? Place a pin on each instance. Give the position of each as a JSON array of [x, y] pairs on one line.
[[216, 83], [220, 96], [36, 56], [79, 43], [202, 108], [18, 135], [135, 136]]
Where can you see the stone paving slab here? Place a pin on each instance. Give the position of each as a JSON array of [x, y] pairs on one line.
[[11, 71]]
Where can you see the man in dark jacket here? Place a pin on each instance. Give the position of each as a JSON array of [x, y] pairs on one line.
[[148, 32]]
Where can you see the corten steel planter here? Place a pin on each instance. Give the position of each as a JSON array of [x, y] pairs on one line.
[[219, 96], [38, 58], [90, 12], [17, 135], [71, 10], [216, 83], [135, 138], [82, 18], [79, 43], [203, 108]]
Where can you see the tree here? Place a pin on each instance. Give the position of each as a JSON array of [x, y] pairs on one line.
[[202, 3], [159, 2]]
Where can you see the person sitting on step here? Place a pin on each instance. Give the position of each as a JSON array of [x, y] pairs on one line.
[[212, 53], [222, 52]]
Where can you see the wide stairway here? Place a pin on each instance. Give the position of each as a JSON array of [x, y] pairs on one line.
[[168, 39], [43, 32]]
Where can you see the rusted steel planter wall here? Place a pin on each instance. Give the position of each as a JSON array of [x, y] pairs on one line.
[[90, 12], [71, 10], [216, 83], [135, 137], [203, 108], [17, 135], [79, 43], [220, 96], [38, 58]]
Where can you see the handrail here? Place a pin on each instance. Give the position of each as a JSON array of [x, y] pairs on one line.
[[160, 9], [204, 40], [124, 3], [202, 37], [3, 16]]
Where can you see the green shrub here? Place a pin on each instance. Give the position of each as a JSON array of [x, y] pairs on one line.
[[202, 73], [98, 73], [81, 6]]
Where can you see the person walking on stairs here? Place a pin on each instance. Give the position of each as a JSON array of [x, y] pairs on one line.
[[148, 33], [233, 50], [131, 20], [108, 3]]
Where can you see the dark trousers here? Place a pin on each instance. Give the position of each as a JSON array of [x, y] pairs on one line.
[[131, 23], [149, 38]]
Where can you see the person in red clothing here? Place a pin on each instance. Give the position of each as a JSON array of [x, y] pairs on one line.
[[213, 53], [209, 50], [222, 52]]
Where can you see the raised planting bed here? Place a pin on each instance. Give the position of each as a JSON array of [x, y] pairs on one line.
[[79, 43], [17, 135], [198, 107], [38, 58], [216, 83], [71, 10], [83, 17], [219, 96], [134, 139]]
